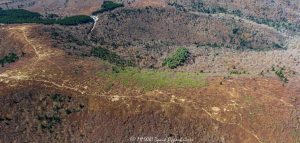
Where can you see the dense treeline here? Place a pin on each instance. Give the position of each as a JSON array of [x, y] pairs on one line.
[[74, 20], [108, 6], [278, 24], [14, 16], [109, 56]]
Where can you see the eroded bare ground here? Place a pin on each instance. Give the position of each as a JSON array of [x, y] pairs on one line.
[[49, 96]]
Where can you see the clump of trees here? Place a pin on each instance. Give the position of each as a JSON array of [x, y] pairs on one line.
[[109, 56], [14, 16], [49, 120], [108, 6], [210, 10], [10, 58], [279, 25], [177, 59]]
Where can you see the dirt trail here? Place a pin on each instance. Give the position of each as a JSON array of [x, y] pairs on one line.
[[237, 124], [95, 18], [224, 104], [43, 55]]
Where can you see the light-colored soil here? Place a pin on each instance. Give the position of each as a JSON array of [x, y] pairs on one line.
[[228, 109]]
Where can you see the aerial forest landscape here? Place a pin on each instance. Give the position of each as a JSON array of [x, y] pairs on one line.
[[157, 71]]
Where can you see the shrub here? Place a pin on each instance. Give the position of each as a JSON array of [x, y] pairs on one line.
[[57, 98], [177, 59], [48, 122], [68, 111], [280, 73], [237, 12], [235, 31], [177, 6], [237, 72]]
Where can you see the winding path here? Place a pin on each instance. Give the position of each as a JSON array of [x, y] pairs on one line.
[[44, 54], [95, 18]]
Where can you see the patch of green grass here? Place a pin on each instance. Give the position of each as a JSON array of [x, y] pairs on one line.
[[153, 79], [177, 59], [108, 6]]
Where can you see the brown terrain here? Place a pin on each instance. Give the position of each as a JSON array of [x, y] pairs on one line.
[[60, 7], [58, 92], [146, 3], [270, 9]]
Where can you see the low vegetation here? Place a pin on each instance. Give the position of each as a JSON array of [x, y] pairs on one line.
[[153, 79], [53, 118], [108, 6], [10, 58], [50, 119], [5, 120], [109, 56], [199, 6], [277, 24], [237, 72], [177, 59], [280, 72], [15, 16], [177, 6]]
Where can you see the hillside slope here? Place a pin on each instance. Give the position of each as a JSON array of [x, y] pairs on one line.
[[49, 96], [180, 70], [59, 7]]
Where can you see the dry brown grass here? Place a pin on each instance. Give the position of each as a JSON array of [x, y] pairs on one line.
[[232, 109]]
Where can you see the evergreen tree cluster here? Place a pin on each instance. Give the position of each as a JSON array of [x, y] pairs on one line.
[[177, 59], [15, 16], [9, 58]]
